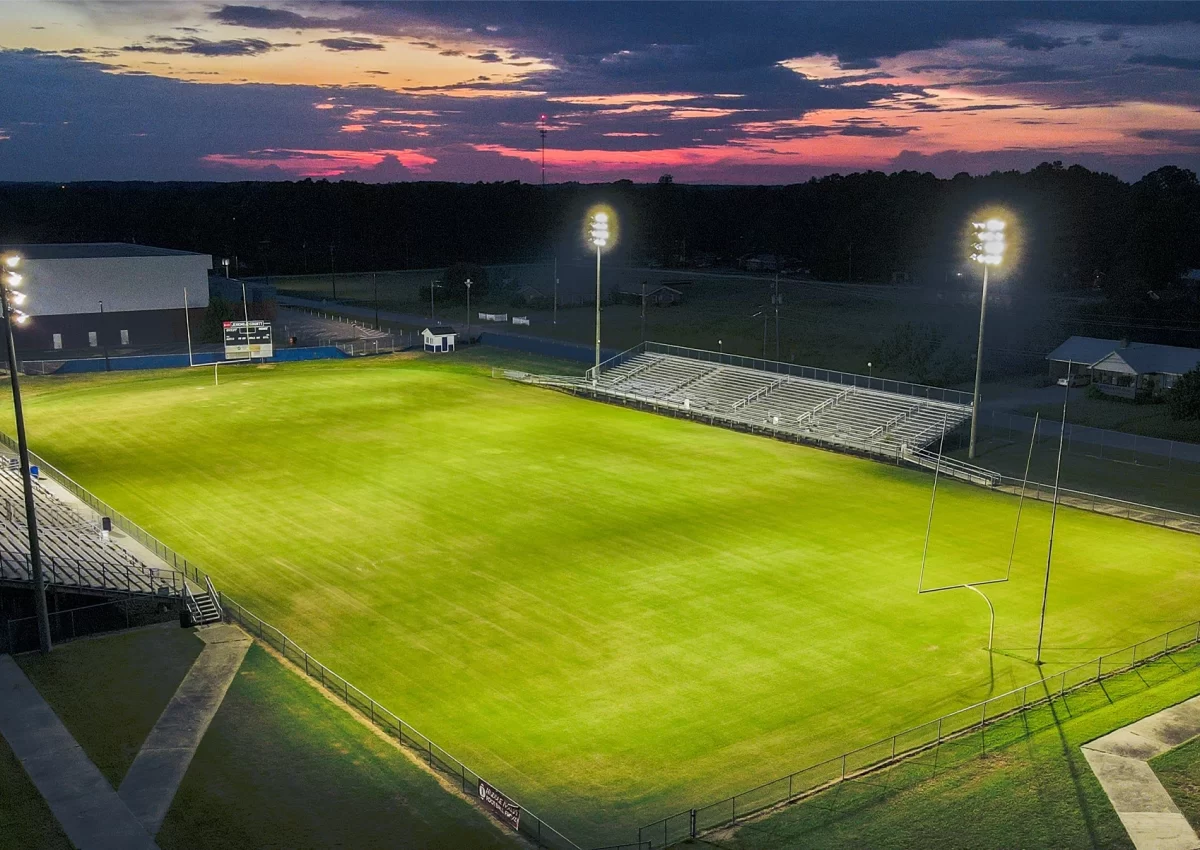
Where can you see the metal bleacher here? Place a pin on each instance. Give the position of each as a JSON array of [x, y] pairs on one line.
[[74, 553], [864, 417]]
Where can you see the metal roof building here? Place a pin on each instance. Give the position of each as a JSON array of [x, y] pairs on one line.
[[1122, 368], [97, 295]]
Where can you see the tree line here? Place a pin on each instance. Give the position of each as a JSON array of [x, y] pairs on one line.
[[1072, 229]]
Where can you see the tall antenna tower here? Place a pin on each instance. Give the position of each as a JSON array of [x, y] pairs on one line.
[[542, 131]]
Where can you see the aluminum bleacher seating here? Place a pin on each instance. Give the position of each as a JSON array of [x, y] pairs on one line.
[[824, 411], [73, 550]]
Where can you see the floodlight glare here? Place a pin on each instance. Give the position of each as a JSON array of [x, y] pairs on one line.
[[995, 224], [12, 280], [17, 298], [21, 318], [12, 260]]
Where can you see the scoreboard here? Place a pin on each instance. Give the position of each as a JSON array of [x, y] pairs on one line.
[[247, 340]]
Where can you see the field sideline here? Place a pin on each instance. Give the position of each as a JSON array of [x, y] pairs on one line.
[[611, 615]]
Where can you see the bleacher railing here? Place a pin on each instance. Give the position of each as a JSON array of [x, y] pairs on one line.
[[973, 719], [82, 574], [531, 826], [832, 376]]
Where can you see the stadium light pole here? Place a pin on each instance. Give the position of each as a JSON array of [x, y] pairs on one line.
[[13, 298], [988, 247], [468, 282], [599, 239]]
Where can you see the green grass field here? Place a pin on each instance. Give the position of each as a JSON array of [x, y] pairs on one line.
[[609, 614], [282, 765], [1032, 789]]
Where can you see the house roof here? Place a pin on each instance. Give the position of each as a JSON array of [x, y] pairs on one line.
[[527, 288], [1084, 349], [92, 250], [664, 289], [1161, 359], [1143, 357], [441, 330]]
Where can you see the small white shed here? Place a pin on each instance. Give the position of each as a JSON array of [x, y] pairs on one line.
[[440, 338]]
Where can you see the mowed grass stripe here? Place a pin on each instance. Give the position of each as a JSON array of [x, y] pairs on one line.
[[610, 613]]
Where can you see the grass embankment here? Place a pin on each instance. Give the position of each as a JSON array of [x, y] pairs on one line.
[[610, 614], [1033, 788], [1147, 420], [1143, 478], [1179, 772], [110, 691], [284, 766], [25, 819]]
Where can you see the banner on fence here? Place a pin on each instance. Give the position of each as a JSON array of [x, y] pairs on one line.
[[494, 317], [520, 320], [506, 809]]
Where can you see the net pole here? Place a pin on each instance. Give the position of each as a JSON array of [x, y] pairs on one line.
[[932, 500], [1053, 516], [1021, 504]]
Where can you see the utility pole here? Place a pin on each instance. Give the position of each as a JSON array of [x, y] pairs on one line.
[[103, 342], [556, 289], [776, 301], [332, 273], [643, 311], [468, 285], [375, 288]]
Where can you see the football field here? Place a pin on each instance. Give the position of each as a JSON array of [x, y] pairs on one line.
[[608, 614]]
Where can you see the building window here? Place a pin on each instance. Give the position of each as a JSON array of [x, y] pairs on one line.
[[124, 337], [92, 338], [58, 342]]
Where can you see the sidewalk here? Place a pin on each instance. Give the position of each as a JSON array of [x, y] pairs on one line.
[[150, 785], [89, 810], [1120, 761]]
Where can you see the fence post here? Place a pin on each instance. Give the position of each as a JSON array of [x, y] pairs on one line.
[[431, 763], [306, 663]]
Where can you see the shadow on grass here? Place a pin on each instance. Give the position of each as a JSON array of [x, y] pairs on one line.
[[806, 823]]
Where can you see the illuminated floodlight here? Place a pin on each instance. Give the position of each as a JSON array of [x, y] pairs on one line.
[[20, 317], [16, 298], [12, 280], [12, 260], [989, 244], [600, 229]]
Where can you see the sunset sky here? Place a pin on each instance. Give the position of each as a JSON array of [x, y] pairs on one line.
[[710, 92]]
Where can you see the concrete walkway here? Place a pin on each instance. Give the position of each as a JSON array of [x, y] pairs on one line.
[[89, 810], [1119, 761], [152, 780]]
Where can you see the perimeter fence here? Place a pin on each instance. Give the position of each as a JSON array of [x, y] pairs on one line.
[[530, 825], [21, 633], [972, 720]]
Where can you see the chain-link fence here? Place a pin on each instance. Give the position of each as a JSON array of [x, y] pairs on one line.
[[972, 720], [530, 825], [435, 757], [21, 633]]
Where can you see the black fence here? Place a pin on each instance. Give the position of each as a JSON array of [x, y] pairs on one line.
[[21, 633], [531, 826]]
